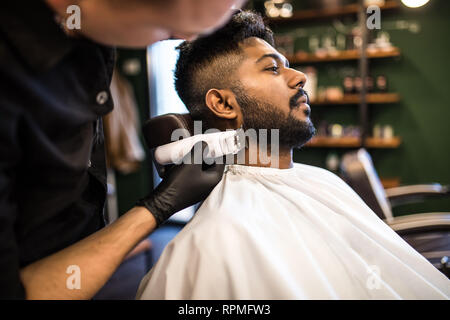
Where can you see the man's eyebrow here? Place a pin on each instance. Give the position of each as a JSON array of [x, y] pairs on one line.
[[276, 57]]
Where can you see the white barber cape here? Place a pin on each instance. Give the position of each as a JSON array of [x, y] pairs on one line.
[[298, 233]]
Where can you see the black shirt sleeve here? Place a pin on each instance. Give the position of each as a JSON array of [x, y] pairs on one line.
[[10, 285]]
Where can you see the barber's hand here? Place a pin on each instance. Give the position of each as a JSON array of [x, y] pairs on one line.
[[183, 185]]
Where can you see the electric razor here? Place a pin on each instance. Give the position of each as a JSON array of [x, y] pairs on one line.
[[158, 131], [219, 144]]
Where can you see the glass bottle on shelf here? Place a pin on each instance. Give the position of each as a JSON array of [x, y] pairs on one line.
[[348, 84], [381, 83]]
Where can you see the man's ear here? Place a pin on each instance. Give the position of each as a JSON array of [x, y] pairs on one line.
[[222, 103]]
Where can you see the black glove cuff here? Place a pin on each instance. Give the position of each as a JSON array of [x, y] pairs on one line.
[[159, 214]]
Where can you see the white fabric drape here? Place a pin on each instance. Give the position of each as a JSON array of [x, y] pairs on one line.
[[298, 233]]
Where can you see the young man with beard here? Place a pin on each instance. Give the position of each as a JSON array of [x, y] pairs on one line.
[[276, 230]]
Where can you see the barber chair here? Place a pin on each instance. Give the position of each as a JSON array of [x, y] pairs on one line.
[[158, 131], [427, 233]]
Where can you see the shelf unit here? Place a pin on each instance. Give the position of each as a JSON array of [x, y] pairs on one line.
[[362, 99]]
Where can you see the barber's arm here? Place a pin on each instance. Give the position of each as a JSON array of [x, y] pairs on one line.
[[100, 254]]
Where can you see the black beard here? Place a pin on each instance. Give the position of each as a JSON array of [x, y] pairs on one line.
[[257, 114]]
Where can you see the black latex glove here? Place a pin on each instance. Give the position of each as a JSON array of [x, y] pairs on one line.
[[183, 185]]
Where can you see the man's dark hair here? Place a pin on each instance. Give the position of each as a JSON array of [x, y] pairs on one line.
[[209, 61]]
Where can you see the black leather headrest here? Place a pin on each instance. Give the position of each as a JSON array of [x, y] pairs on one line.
[[158, 131]]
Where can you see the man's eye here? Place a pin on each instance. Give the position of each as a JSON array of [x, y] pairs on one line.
[[273, 69]]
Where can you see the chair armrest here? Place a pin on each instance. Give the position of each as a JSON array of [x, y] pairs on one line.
[[421, 222], [415, 193]]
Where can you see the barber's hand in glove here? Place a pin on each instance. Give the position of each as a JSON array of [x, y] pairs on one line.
[[183, 185]]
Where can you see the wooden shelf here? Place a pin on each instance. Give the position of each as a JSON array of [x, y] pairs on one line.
[[372, 98], [353, 142], [343, 55], [390, 182], [330, 142], [314, 14], [383, 143]]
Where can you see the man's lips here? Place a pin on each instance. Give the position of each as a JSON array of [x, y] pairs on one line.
[[306, 108], [302, 103], [303, 99]]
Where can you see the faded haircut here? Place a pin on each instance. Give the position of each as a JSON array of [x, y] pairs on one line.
[[210, 61]]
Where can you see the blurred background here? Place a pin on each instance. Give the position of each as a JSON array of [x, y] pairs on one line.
[[384, 88]]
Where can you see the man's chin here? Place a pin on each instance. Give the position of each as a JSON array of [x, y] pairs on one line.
[[304, 135]]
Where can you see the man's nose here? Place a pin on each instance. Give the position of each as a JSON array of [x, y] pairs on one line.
[[297, 79]]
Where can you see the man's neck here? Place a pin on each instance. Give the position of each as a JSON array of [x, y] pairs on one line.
[[281, 159]]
